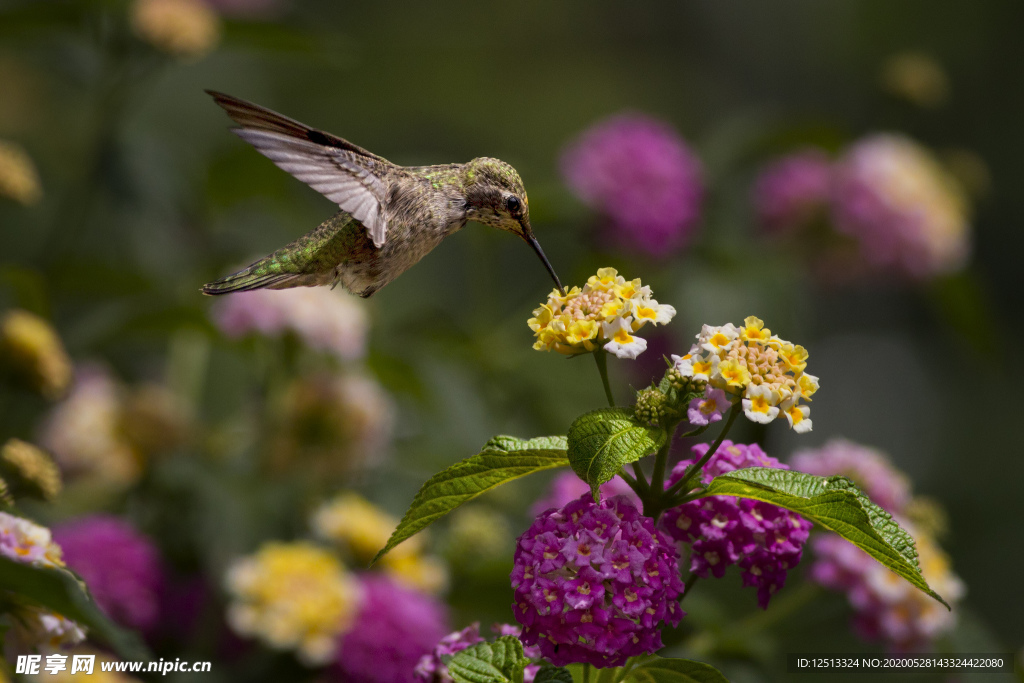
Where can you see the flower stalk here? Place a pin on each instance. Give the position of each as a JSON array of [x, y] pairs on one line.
[[601, 358], [684, 483]]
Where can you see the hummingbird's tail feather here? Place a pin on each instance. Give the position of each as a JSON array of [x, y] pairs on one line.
[[244, 281], [316, 258], [263, 274]]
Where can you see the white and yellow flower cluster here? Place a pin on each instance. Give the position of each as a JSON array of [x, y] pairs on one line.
[[750, 363], [362, 529], [293, 596], [29, 628], [28, 543], [604, 314]]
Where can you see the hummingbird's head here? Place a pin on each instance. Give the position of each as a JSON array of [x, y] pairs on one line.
[[495, 196]]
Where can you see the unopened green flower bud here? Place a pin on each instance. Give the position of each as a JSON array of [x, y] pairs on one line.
[[653, 407]]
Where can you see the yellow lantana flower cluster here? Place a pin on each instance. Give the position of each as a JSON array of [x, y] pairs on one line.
[[19, 179], [748, 362], [293, 596], [30, 347], [187, 29], [31, 466], [362, 529], [604, 314]]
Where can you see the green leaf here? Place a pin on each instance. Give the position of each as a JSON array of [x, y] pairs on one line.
[[836, 504], [502, 661], [674, 671], [512, 444], [602, 441], [502, 459], [62, 592], [552, 674]]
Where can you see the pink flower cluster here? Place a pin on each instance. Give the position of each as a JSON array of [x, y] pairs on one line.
[[886, 607], [431, 668], [903, 208], [594, 581], [898, 204], [639, 173], [792, 190], [395, 627], [764, 540], [122, 568], [323, 319]]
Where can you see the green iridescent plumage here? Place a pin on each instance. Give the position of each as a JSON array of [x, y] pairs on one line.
[[391, 216]]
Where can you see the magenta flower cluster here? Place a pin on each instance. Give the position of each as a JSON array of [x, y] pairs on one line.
[[594, 581], [791, 190], [431, 668], [395, 627], [638, 172], [122, 568], [764, 540]]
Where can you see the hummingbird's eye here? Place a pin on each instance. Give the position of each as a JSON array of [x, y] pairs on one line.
[[513, 205]]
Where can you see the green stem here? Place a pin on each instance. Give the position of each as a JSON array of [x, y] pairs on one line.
[[684, 483], [690, 580], [630, 663], [660, 462], [643, 488], [586, 673], [654, 501], [695, 432], [601, 358]]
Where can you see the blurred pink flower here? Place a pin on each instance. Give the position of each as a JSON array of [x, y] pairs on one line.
[[122, 567], [643, 176], [791, 190], [886, 607], [902, 207], [394, 628], [325, 320], [85, 431]]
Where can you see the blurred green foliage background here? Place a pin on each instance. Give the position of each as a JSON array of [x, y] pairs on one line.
[[146, 196]]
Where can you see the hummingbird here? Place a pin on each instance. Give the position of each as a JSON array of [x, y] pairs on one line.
[[390, 216]]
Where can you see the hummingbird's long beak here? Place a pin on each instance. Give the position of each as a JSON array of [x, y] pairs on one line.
[[532, 241]]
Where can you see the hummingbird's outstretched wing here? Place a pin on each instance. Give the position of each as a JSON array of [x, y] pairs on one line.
[[343, 172]]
